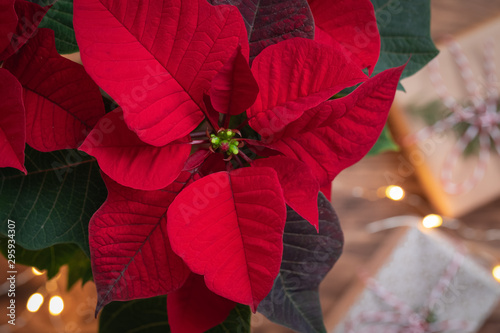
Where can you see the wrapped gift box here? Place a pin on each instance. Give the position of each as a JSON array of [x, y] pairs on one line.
[[409, 266], [427, 158]]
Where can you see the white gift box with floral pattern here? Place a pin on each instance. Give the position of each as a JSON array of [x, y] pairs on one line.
[[428, 158], [410, 271]]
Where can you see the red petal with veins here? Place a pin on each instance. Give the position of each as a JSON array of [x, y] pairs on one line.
[[12, 122], [128, 160], [234, 88], [195, 309], [299, 185], [293, 76], [228, 227], [62, 102], [156, 58], [335, 146], [130, 251], [352, 24]]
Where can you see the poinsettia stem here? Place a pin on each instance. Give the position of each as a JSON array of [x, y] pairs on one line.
[[198, 142], [215, 126], [245, 157], [225, 120], [198, 134], [238, 160], [243, 124]]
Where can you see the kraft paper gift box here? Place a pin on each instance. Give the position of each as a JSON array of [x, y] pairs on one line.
[[427, 157], [409, 266]]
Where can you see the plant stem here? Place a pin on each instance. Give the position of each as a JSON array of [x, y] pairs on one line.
[[225, 120], [198, 142], [243, 124], [245, 157], [238, 160], [198, 134]]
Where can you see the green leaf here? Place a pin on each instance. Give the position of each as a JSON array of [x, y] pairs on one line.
[[384, 143], [79, 268], [147, 315], [52, 259], [404, 27], [307, 257], [150, 316], [53, 204], [60, 19], [237, 321]]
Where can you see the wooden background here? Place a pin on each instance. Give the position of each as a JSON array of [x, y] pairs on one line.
[[449, 17]]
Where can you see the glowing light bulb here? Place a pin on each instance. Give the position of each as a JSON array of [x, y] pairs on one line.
[[496, 273], [34, 302], [36, 271], [394, 192], [56, 305], [432, 221]]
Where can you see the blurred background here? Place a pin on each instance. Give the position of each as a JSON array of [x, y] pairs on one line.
[[361, 195]]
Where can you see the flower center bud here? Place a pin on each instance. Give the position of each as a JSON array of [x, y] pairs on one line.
[[224, 141]]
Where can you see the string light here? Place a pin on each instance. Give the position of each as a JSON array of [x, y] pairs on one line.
[[36, 271], [395, 192], [56, 305], [34, 302], [432, 221], [496, 273]]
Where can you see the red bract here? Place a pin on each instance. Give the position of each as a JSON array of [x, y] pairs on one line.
[[300, 188], [295, 117], [18, 22], [12, 122], [172, 65], [62, 102], [234, 89], [197, 159], [128, 160], [195, 309], [8, 23], [270, 21], [203, 213], [130, 249], [350, 23], [228, 227], [344, 130], [157, 58], [294, 76]]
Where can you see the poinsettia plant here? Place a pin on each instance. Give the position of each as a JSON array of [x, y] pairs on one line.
[[186, 156]]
